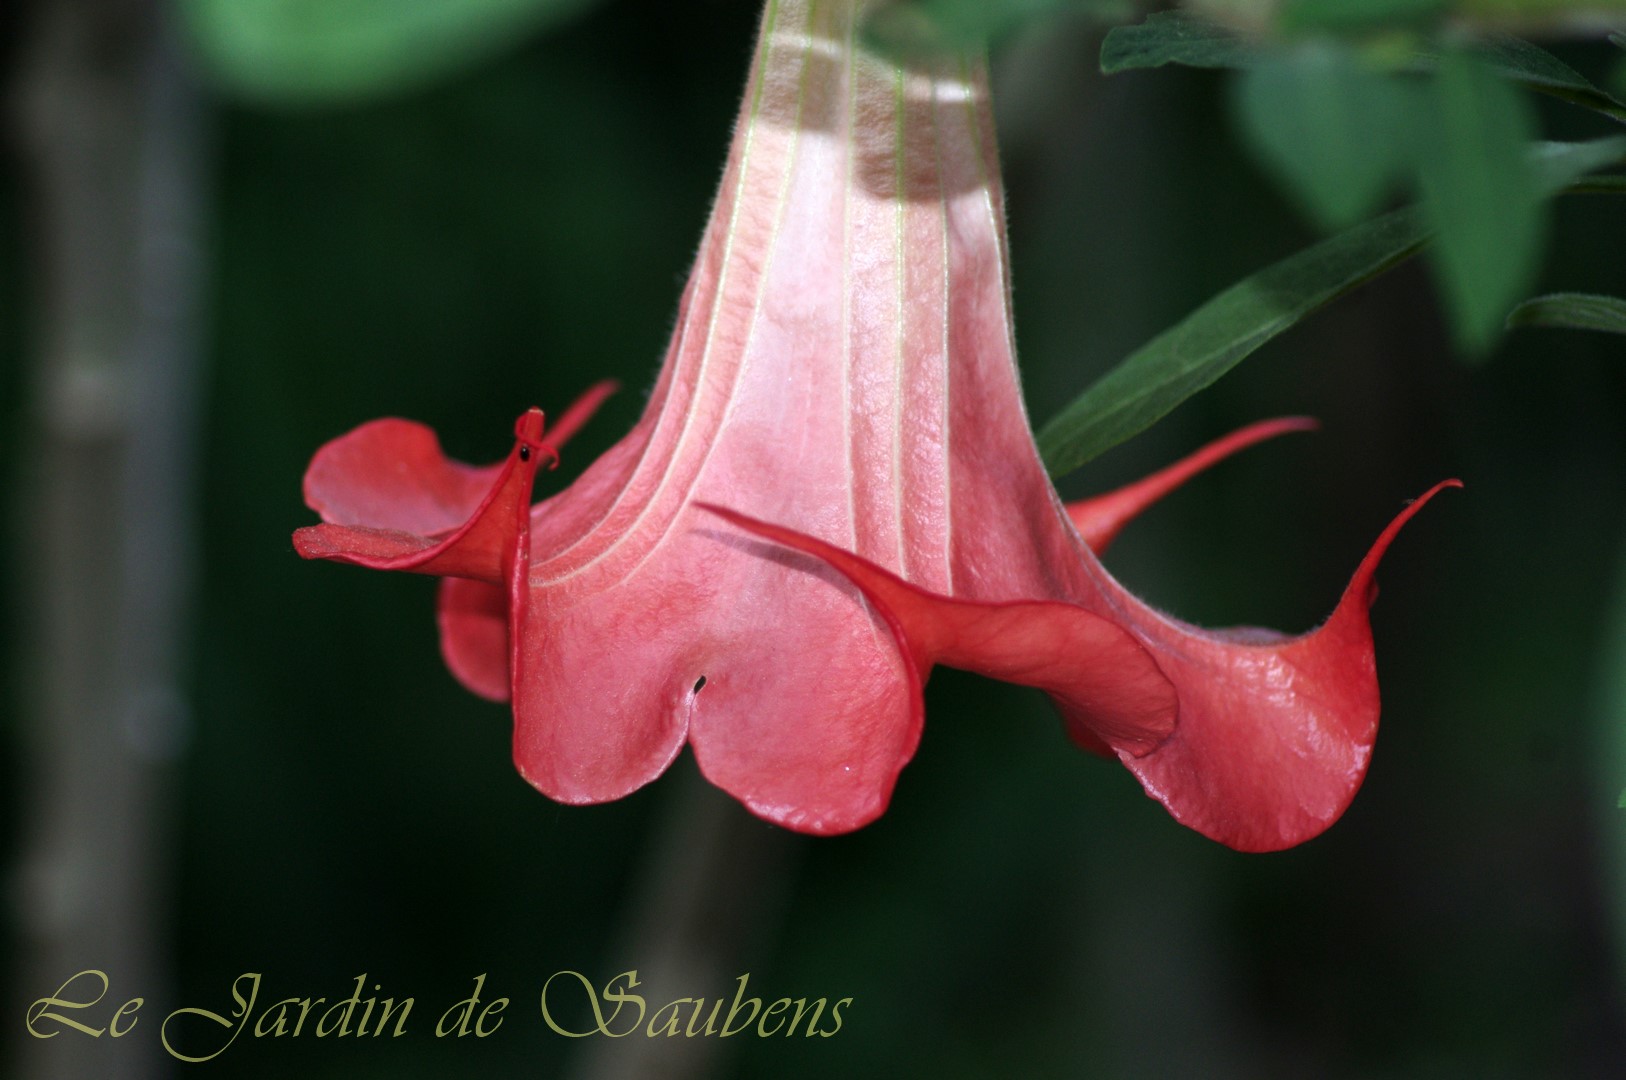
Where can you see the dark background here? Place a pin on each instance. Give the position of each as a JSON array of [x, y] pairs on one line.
[[519, 231]]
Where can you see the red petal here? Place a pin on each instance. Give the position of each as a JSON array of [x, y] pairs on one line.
[[473, 616], [473, 620], [1275, 734], [1100, 519], [1105, 683], [391, 474], [807, 714], [393, 493], [389, 496]]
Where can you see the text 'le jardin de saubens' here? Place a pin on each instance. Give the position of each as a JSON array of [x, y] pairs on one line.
[[568, 1004]]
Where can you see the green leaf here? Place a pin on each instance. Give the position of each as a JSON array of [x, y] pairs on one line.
[[1213, 339], [1175, 37], [1332, 129], [1575, 311], [1192, 354], [913, 27], [1559, 165], [309, 52], [1538, 69], [1482, 196], [1598, 185]]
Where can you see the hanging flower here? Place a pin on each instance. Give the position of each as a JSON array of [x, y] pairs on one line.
[[833, 488]]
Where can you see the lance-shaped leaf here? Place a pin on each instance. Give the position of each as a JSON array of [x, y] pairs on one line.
[[1175, 37], [1189, 356], [1575, 311], [1196, 351]]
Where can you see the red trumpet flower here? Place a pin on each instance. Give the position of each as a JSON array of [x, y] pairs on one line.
[[833, 488]]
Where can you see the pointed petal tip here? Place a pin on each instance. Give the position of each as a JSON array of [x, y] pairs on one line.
[[580, 411], [1260, 430], [528, 428], [1100, 519], [1364, 574], [1275, 734], [1291, 423]]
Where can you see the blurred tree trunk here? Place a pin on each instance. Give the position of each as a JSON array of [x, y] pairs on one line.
[[713, 889], [107, 133]]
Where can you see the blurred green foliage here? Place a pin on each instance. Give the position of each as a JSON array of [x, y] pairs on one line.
[[1357, 100], [1480, 190], [1190, 355], [1022, 909], [317, 52], [1333, 126]]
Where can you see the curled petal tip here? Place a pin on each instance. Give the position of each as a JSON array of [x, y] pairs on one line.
[[1364, 574], [1286, 423], [528, 428], [1100, 519], [580, 411], [1410, 511], [528, 433], [1275, 734]]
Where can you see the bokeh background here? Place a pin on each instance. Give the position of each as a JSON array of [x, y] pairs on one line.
[[329, 803]]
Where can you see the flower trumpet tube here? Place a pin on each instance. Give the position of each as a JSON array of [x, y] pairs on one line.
[[833, 488]]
